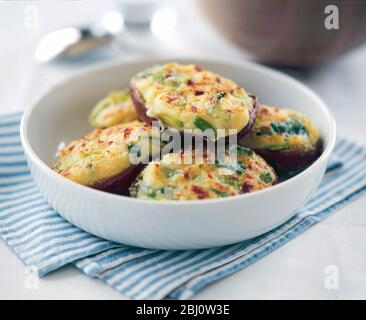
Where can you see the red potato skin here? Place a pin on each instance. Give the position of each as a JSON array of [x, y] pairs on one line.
[[141, 111], [286, 162], [120, 183]]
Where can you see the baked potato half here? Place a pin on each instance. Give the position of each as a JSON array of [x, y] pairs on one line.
[[184, 176], [190, 97], [102, 159], [114, 109], [285, 138]]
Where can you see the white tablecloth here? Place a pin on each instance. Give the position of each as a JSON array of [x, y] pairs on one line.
[[298, 269]]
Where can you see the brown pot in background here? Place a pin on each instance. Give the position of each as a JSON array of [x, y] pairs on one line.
[[288, 32]]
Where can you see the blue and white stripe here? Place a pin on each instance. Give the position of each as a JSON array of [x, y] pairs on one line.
[[36, 233], [40, 237]]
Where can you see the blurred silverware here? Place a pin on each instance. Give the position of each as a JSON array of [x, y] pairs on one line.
[[75, 41]]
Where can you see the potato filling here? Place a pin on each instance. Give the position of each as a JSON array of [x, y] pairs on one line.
[[104, 153], [281, 129]]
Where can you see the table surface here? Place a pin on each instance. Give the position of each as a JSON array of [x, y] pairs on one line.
[[297, 270]]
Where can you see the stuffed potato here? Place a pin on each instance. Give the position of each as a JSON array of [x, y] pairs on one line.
[[102, 159], [175, 178], [190, 97], [285, 138], [114, 109]]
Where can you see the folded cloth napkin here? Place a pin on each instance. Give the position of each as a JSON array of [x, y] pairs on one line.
[[46, 241]]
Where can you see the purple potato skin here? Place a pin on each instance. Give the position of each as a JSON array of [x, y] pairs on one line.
[[141, 111], [120, 183], [140, 105], [286, 162]]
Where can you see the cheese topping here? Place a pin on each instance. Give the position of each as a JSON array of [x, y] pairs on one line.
[[281, 129], [104, 153], [114, 109], [172, 179], [189, 97]]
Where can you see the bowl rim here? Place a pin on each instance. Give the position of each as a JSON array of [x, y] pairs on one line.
[[31, 154]]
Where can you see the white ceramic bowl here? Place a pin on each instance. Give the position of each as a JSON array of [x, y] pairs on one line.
[[60, 116]]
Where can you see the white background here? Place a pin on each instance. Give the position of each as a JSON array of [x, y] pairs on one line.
[[297, 270]]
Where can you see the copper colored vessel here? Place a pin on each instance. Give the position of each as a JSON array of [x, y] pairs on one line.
[[289, 32]]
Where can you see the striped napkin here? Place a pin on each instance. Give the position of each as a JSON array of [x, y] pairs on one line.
[[45, 241]]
